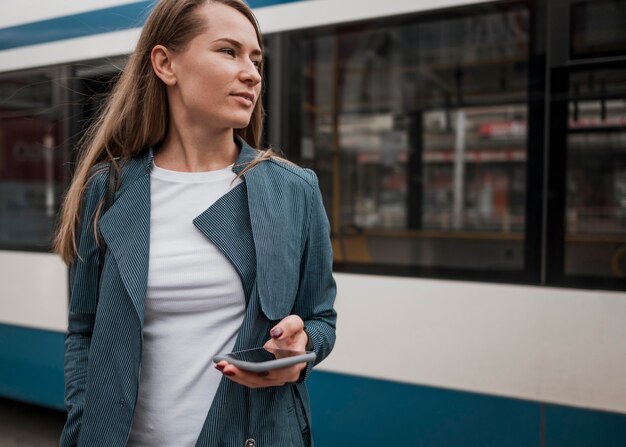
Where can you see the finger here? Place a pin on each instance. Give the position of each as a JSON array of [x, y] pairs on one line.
[[294, 343], [277, 377], [287, 327], [270, 344], [221, 365]]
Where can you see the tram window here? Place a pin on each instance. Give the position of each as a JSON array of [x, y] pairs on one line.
[[418, 133], [596, 174], [598, 28], [33, 158]]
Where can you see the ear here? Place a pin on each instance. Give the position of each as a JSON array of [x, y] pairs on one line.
[[162, 65]]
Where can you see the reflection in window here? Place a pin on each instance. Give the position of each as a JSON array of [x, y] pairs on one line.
[[598, 28], [32, 163], [475, 171], [596, 174], [418, 133]]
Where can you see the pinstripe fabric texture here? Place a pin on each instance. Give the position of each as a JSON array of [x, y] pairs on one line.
[[273, 229]]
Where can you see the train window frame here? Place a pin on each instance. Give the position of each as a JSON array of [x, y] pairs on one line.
[[530, 273], [57, 77], [72, 101]]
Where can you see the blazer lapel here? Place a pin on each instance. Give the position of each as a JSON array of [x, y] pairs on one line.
[[125, 228], [276, 221], [226, 224]]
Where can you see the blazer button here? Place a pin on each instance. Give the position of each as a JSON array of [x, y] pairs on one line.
[[250, 443]]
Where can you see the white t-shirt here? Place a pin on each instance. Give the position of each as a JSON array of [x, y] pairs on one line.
[[194, 308]]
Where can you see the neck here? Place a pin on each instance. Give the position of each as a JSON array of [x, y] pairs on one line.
[[197, 150]]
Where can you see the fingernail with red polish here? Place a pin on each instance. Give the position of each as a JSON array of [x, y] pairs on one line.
[[228, 373], [219, 367], [276, 332]]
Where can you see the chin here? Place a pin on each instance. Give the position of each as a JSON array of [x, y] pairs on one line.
[[234, 120], [239, 123]]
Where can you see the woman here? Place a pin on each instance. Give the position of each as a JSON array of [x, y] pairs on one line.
[[211, 246]]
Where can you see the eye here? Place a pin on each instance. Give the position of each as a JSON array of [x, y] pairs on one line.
[[228, 51], [257, 63]]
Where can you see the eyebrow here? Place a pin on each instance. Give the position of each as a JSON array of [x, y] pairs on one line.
[[237, 45]]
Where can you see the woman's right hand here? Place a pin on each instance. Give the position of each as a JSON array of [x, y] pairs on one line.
[[287, 334]]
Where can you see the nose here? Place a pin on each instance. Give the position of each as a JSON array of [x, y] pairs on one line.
[[250, 73]]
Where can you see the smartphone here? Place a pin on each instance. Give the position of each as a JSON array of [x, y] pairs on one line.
[[265, 359]]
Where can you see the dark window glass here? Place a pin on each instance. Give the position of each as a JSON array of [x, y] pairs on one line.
[[418, 132], [598, 28], [596, 174], [33, 158]]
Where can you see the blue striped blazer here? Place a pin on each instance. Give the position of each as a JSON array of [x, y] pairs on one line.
[[273, 228]]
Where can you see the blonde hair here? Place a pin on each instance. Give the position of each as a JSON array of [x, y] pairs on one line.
[[135, 115]]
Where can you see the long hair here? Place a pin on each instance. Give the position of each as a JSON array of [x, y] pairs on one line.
[[136, 114]]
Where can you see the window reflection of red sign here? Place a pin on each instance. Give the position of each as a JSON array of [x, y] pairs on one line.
[[503, 129], [23, 152]]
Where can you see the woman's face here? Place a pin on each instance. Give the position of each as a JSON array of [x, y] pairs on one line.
[[217, 79]]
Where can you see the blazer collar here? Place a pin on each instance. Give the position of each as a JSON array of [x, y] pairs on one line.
[[246, 155]]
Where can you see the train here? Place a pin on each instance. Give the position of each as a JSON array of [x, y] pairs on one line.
[[472, 160]]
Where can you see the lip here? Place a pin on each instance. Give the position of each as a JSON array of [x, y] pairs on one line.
[[245, 98]]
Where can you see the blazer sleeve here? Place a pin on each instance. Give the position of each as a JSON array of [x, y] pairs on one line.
[[82, 311], [317, 289]]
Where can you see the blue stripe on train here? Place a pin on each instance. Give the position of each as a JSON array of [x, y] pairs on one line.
[[31, 365], [349, 410], [116, 18]]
